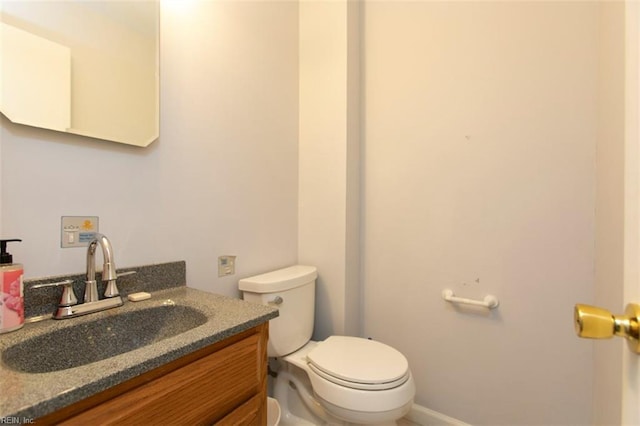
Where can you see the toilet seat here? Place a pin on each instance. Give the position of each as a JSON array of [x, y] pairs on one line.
[[359, 363]]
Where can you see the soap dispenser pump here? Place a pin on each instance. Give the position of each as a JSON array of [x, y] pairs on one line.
[[11, 291]]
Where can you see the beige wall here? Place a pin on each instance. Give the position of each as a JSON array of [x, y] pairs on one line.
[[222, 178], [631, 361], [481, 122], [329, 161]]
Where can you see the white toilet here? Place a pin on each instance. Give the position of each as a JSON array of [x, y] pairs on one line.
[[341, 379]]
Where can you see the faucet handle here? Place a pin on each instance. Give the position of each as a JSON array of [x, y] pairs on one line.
[[68, 296]]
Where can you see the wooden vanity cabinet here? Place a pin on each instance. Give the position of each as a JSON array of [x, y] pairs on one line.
[[223, 384]]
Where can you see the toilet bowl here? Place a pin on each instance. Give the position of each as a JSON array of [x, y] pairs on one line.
[[346, 379], [357, 380]]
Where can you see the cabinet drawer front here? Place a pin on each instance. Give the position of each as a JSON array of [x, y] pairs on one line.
[[247, 414], [202, 392]]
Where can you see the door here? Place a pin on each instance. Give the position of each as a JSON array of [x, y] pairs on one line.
[[631, 292], [617, 369]]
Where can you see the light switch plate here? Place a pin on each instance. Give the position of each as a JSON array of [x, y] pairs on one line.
[[78, 231]]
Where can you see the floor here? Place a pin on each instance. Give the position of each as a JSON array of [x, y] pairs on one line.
[[405, 422]]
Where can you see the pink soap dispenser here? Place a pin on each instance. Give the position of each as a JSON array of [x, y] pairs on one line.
[[11, 291]]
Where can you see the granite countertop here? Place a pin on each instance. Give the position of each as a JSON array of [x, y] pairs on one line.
[[27, 396]]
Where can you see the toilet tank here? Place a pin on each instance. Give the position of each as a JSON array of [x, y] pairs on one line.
[[292, 291]]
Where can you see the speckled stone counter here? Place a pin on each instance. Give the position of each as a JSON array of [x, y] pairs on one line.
[[27, 396]]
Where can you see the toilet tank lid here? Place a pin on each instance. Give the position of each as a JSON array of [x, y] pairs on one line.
[[282, 279]]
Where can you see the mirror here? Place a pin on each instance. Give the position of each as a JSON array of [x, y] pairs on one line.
[[82, 67]]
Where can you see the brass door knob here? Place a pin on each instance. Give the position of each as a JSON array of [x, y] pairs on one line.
[[596, 323]]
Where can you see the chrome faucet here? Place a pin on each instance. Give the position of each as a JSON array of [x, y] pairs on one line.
[[108, 270], [68, 307]]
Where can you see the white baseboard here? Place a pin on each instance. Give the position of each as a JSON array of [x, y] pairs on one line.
[[427, 417]]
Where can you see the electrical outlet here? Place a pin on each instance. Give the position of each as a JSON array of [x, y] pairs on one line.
[[226, 265]]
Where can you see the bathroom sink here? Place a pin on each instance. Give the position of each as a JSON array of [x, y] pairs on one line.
[[100, 339]]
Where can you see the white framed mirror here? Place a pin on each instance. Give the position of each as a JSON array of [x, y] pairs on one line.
[[87, 67]]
